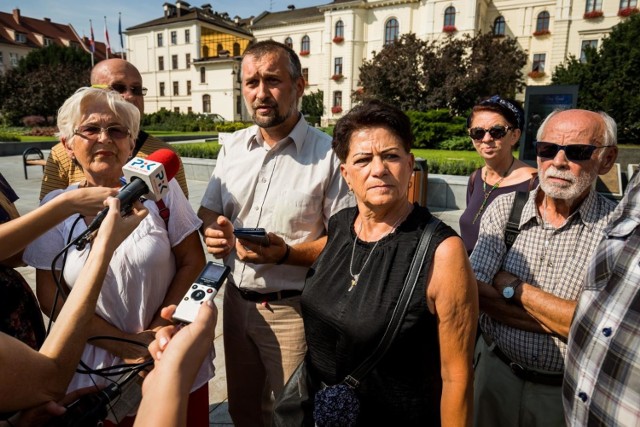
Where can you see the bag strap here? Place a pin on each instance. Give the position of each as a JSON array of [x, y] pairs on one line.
[[400, 309], [512, 229]]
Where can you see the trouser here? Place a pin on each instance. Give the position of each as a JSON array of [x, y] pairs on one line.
[[263, 345], [503, 399]]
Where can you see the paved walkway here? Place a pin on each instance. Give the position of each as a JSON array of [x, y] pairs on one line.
[[29, 190]]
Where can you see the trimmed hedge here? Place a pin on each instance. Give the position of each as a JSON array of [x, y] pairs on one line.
[[7, 136], [199, 150], [433, 126]]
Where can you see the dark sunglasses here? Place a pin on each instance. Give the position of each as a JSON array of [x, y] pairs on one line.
[[135, 90], [93, 132], [574, 152], [496, 132]]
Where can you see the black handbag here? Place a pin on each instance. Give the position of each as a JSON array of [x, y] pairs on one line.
[[306, 403]]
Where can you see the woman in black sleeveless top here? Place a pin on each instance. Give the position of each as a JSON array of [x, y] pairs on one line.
[[426, 377]]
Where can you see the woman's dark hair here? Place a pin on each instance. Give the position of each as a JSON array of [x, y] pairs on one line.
[[371, 114], [510, 109]]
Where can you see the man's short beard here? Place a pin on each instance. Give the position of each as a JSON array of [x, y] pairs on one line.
[[578, 184], [268, 122]]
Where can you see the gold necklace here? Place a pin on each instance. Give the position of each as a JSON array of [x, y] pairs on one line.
[[356, 276], [488, 193]]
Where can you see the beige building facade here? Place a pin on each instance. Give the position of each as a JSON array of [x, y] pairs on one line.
[[334, 39]]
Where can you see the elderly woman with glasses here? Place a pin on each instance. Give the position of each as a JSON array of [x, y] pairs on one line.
[[151, 269], [495, 126]]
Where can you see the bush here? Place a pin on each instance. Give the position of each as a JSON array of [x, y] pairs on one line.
[[453, 167], [458, 143], [434, 126], [200, 150], [42, 131], [7, 136], [232, 126], [33, 121]]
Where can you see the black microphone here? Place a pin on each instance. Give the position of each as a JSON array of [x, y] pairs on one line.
[[148, 177]]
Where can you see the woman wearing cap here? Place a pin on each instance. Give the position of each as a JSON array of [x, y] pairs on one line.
[[495, 126]]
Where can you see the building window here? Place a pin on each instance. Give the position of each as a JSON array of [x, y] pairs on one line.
[[188, 87], [187, 60], [189, 110], [21, 37], [13, 59], [174, 37], [587, 45], [542, 23], [187, 36], [238, 104], [206, 103], [337, 98], [174, 62], [305, 45], [161, 88], [450, 17], [219, 49], [160, 63], [159, 39], [628, 4], [202, 75], [288, 42], [538, 62], [48, 41], [593, 6], [499, 26], [176, 89], [176, 109], [391, 31], [305, 75], [339, 29], [337, 66], [236, 49]]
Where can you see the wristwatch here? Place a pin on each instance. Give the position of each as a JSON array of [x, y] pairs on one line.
[[510, 290]]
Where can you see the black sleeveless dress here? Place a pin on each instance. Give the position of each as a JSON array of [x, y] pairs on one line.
[[343, 327]]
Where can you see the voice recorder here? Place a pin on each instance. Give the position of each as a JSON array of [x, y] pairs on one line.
[[254, 235], [204, 289]]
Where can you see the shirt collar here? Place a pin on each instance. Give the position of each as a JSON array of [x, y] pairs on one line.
[[587, 212], [298, 135]]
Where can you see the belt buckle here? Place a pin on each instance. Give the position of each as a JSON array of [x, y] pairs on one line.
[[517, 369]]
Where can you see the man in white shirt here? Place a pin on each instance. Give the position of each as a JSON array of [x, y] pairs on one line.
[[280, 175]]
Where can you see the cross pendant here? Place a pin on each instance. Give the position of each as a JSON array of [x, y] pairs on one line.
[[354, 282]]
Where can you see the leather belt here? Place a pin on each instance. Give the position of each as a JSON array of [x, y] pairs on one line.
[[271, 296], [522, 372]]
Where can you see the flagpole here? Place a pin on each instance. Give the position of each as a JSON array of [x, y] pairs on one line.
[[106, 36], [91, 43], [120, 34]]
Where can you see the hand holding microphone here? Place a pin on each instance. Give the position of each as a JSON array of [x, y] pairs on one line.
[[147, 177]]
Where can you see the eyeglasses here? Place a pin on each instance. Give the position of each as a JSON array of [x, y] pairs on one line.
[[93, 132], [574, 152], [135, 90], [496, 132]]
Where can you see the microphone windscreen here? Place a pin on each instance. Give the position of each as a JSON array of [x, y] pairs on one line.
[[169, 160]]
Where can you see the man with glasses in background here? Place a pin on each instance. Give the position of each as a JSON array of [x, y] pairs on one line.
[[528, 293], [121, 76]]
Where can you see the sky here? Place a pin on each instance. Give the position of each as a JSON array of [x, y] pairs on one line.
[[134, 12]]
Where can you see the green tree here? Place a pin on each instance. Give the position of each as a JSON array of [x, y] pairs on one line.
[[454, 74], [313, 106], [606, 79], [42, 81]]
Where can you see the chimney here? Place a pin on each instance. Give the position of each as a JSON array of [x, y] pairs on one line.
[[47, 19], [16, 15], [291, 7]]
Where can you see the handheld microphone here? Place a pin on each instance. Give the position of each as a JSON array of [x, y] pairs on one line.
[[147, 177]]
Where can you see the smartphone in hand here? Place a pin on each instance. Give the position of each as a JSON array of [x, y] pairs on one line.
[[254, 235]]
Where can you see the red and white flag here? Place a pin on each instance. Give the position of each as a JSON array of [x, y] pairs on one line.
[[106, 38]]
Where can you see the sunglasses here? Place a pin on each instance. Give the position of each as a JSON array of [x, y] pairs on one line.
[[93, 132], [496, 132], [135, 90], [574, 152]]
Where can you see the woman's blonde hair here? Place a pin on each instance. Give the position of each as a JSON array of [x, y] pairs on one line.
[[71, 112]]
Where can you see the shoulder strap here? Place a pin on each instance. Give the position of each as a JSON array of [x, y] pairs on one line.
[[164, 212], [512, 229], [472, 179], [401, 308]]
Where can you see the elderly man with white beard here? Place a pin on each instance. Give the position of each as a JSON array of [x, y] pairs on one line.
[[528, 292]]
